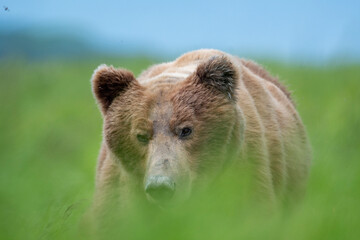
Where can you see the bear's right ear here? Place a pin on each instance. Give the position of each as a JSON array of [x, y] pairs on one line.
[[218, 73], [108, 83]]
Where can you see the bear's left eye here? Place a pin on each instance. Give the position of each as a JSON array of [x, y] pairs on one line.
[[186, 131], [144, 138]]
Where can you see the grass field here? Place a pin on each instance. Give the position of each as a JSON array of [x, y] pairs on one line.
[[50, 133]]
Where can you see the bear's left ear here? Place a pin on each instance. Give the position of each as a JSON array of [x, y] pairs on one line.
[[108, 83], [218, 72]]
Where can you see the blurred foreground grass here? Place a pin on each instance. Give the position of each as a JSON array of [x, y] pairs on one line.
[[50, 133]]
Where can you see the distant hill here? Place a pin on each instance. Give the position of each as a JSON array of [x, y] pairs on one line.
[[61, 42], [30, 44]]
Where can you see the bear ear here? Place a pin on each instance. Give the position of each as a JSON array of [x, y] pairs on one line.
[[219, 73], [108, 83]]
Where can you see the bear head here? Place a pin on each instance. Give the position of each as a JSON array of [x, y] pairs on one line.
[[171, 136]]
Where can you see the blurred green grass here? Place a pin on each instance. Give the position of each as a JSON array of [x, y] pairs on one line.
[[51, 132]]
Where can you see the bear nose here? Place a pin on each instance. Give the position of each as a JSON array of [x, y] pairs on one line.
[[160, 188]]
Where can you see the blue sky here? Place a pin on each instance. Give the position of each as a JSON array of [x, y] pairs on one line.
[[317, 30]]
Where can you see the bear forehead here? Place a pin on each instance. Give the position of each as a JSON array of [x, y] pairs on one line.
[[163, 113], [160, 116]]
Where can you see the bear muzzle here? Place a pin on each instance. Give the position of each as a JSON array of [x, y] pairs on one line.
[[160, 189]]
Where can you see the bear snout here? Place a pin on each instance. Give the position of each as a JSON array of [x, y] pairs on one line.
[[160, 189]]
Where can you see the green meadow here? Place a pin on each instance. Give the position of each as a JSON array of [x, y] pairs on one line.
[[50, 134]]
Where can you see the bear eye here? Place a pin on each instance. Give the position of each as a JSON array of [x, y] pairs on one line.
[[186, 131], [144, 138]]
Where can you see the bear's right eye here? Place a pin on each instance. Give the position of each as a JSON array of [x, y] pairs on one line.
[[143, 138], [186, 131]]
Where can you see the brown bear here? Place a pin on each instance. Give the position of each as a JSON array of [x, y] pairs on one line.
[[181, 123]]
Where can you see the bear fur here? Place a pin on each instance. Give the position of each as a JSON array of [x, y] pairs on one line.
[[236, 112]]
